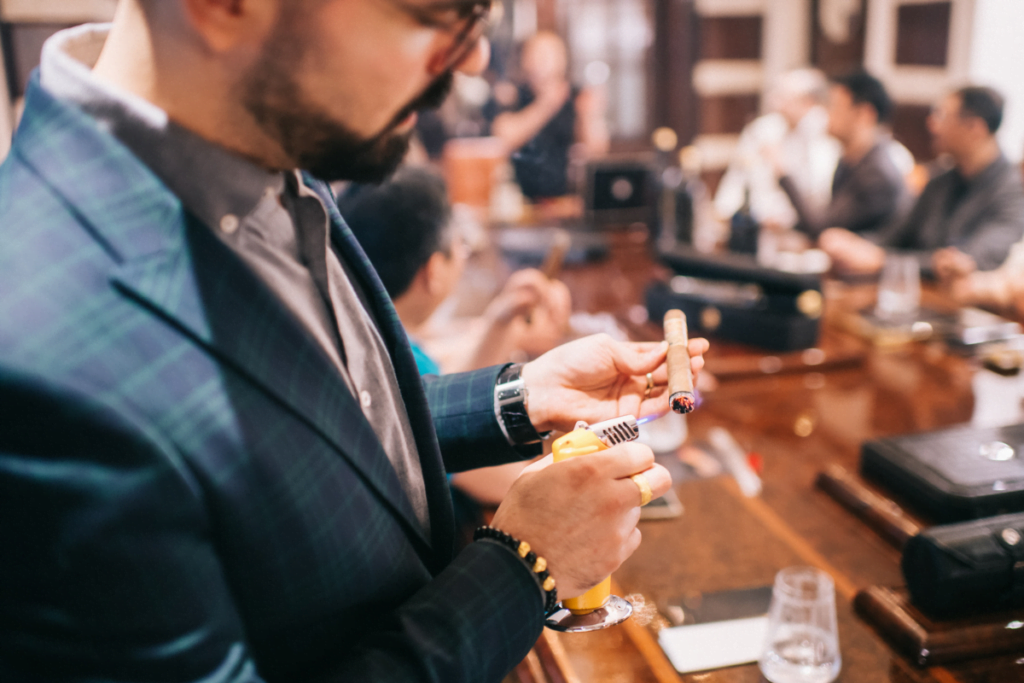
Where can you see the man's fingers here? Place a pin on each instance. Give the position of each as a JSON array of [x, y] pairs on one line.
[[657, 404], [538, 465], [633, 358], [698, 346], [559, 300], [527, 276], [633, 543], [623, 460], [659, 375], [658, 479]]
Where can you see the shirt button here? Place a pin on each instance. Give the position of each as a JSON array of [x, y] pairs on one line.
[[365, 398], [229, 223]]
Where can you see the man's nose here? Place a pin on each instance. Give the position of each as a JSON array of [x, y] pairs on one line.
[[477, 59]]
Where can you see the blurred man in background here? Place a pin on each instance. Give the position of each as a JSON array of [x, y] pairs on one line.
[[405, 227], [793, 138], [976, 208], [406, 230], [868, 191], [541, 120]]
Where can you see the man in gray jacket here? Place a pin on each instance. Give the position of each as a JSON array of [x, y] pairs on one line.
[[975, 208]]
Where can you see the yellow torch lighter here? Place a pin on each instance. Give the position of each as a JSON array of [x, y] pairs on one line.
[[597, 608]]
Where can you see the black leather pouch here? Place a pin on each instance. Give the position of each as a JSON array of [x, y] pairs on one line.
[[952, 475], [730, 296], [968, 568]]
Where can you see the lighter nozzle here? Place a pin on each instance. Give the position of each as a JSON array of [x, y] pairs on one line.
[[617, 430]]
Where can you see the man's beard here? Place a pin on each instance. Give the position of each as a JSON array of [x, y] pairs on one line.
[[309, 136]]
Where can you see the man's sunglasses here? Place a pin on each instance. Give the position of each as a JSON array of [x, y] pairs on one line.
[[466, 22]]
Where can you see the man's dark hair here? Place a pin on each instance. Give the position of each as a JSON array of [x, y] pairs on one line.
[[866, 89], [400, 224], [985, 103]]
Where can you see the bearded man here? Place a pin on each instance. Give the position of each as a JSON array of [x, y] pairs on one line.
[[217, 460]]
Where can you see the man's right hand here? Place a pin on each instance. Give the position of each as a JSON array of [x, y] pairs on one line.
[[581, 514], [951, 264], [851, 253]]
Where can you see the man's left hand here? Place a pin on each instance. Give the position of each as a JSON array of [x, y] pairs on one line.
[[951, 264], [597, 378]]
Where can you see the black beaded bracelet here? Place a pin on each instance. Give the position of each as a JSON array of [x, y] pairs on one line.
[[538, 565]]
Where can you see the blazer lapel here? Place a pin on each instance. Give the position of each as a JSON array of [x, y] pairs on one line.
[[442, 517], [179, 269]]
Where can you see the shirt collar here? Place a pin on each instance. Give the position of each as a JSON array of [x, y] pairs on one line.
[[210, 181], [986, 176]]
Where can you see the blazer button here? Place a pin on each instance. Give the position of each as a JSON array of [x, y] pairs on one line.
[[229, 224], [365, 398]]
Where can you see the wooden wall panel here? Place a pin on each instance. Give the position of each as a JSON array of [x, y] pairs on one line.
[[835, 58], [725, 114], [712, 179], [547, 15], [734, 37], [909, 126], [673, 100], [922, 34]]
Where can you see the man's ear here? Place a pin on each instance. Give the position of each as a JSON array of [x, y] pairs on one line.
[[225, 24], [866, 113], [432, 273], [979, 129]]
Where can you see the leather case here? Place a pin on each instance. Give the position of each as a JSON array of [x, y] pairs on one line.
[[954, 474], [967, 568], [729, 296], [929, 642]]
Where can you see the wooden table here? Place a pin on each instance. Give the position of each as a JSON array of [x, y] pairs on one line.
[[799, 421]]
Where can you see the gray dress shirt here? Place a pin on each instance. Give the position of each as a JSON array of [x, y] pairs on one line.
[[277, 225]]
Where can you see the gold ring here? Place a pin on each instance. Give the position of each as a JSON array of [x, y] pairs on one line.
[[645, 488], [650, 385]]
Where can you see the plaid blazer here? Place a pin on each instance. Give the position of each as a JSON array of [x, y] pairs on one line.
[[188, 491]]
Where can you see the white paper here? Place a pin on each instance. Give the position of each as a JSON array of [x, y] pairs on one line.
[[699, 647]]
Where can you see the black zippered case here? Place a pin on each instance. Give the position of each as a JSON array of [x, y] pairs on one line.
[[953, 474]]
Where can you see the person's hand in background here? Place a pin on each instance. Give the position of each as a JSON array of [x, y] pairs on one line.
[[529, 316], [850, 253]]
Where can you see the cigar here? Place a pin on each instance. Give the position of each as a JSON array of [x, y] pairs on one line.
[[880, 513], [561, 242], [680, 379]]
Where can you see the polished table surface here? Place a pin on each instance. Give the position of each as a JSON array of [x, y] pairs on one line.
[[800, 418]]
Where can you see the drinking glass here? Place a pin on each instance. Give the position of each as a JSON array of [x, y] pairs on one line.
[[803, 639], [899, 289]]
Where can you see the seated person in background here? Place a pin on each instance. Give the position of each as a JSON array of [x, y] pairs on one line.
[[541, 120], [404, 226], [1000, 290], [421, 259], [868, 191], [793, 137], [976, 207]]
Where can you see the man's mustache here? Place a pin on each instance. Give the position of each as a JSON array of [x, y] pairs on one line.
[[431, 98]]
